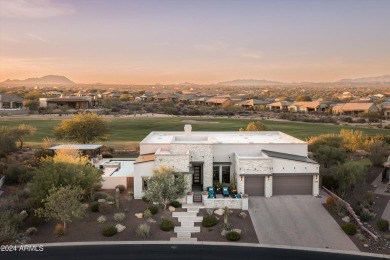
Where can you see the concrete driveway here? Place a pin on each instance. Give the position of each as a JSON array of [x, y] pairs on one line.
[[297, 221]]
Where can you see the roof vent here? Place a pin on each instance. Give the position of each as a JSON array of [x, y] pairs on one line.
[[187, 129]]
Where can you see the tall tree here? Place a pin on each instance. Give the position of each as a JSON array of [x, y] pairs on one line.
[[82, 128], [255, 126], [21, 131], [348, 175], [329, 156], [63, 204], [66, 168], [378, 152], [165, 186], [7, 140]]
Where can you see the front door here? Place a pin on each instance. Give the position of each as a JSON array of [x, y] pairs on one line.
[[197, 177]]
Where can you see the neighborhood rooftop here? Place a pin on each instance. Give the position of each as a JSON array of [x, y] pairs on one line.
[[220, 137]]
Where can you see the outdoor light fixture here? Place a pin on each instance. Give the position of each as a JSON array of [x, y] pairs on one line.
[[241, 177]]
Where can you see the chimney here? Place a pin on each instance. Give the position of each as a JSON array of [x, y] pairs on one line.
[[187, 130]]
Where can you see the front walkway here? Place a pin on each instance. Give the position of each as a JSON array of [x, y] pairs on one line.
[[187, 222], [298, 220], [380, 189]]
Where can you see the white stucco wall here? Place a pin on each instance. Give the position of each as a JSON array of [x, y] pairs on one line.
[[141, 170], [111, 182], [288, 166], [316, 185], [268, 186]]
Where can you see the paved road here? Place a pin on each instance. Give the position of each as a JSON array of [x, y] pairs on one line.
[[296, 221], [173, 252]]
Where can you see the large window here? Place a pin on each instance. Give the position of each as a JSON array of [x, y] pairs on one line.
[[215, 173], [145, 183], [221, 173], [225, 174]]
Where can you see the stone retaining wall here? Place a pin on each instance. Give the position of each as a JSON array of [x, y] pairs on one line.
[[352, 214], [222, 203]]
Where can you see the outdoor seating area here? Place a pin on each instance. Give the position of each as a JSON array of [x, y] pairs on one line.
[[224, 193]]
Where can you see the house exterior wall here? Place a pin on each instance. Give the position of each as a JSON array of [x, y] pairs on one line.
[[288, 166], [141, 170], [179, 163]]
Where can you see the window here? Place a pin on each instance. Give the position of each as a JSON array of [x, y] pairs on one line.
[[225, 174], [215, 173], [145, 183]]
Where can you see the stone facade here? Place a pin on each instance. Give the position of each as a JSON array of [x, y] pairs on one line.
[[222, 203], [179, 163]]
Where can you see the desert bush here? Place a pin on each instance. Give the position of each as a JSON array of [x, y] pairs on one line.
[[153, 209], [233, 236], [121, 188], [109, 231], [209, 221], [329, 182], [104, 208], [107, 155], [357, 209], [349, 228], [360, 121], [166, 225], [59, 230], [210, 211], [94, 207], [147, 213], [119, 217], [31, 231], [25, 193], [145, 199], [366, 215], [175, 204], [7, 234], [110, 198], [346, 119], [227, 226], [382, 224], [101, 219], [331, 202], [142, 231], [99, 195]]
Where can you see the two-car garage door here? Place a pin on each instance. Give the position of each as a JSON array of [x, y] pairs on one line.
[[292, 185], [281, 185]]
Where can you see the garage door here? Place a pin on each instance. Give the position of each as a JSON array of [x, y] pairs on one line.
[[292, 185], [254, 185]]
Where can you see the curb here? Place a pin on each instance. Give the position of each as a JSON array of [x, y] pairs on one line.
[[323, 250]]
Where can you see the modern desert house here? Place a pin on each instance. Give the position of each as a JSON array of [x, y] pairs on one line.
[[260, 163]]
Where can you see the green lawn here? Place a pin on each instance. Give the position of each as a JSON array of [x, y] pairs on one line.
[[129, 131]]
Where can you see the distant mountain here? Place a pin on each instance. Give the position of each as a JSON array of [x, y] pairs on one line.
[[378, 79], [45, 80], [250, 82]]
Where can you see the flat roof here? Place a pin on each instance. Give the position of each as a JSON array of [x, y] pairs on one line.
[[76, 147], [287, 156], [250, 137]]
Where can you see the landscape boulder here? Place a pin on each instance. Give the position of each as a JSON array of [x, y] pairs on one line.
[[139, 215], [120, 228], [171, 209]]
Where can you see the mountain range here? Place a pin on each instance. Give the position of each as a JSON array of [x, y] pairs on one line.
[[62, 80], [45, 80]]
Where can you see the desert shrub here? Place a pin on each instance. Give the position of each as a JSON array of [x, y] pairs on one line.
[[104, 208], [59, 230], [7, 234], [166, 225], [349, 228], [360, 121], [142, 231], [346, 119], [107, 155], [331, 202], [210, 211], [383, 224], [209, 221], [94, 207], [233, 236], [366, 215], [99, 195], [145, 199], [101, 219], [25, 193], [147, 214], [357, 209], [31, 231], [109, 231], [121, 188], [119, 217], [110, 198], [153, 209], [175, 204], [227, 226], [17, 174]]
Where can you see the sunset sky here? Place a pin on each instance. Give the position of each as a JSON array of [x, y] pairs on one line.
[[202, 41]]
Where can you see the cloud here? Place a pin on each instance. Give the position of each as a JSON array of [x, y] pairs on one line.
[[251, 54], [36, 37], [34, 8]]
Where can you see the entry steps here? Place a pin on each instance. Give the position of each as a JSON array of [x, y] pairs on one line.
[[187, 223]]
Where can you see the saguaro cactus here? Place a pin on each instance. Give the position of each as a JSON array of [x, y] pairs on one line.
[[225, 215], [117, 192]]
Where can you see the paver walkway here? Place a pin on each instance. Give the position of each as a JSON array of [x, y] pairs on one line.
[[187, 222], [381, 187]]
